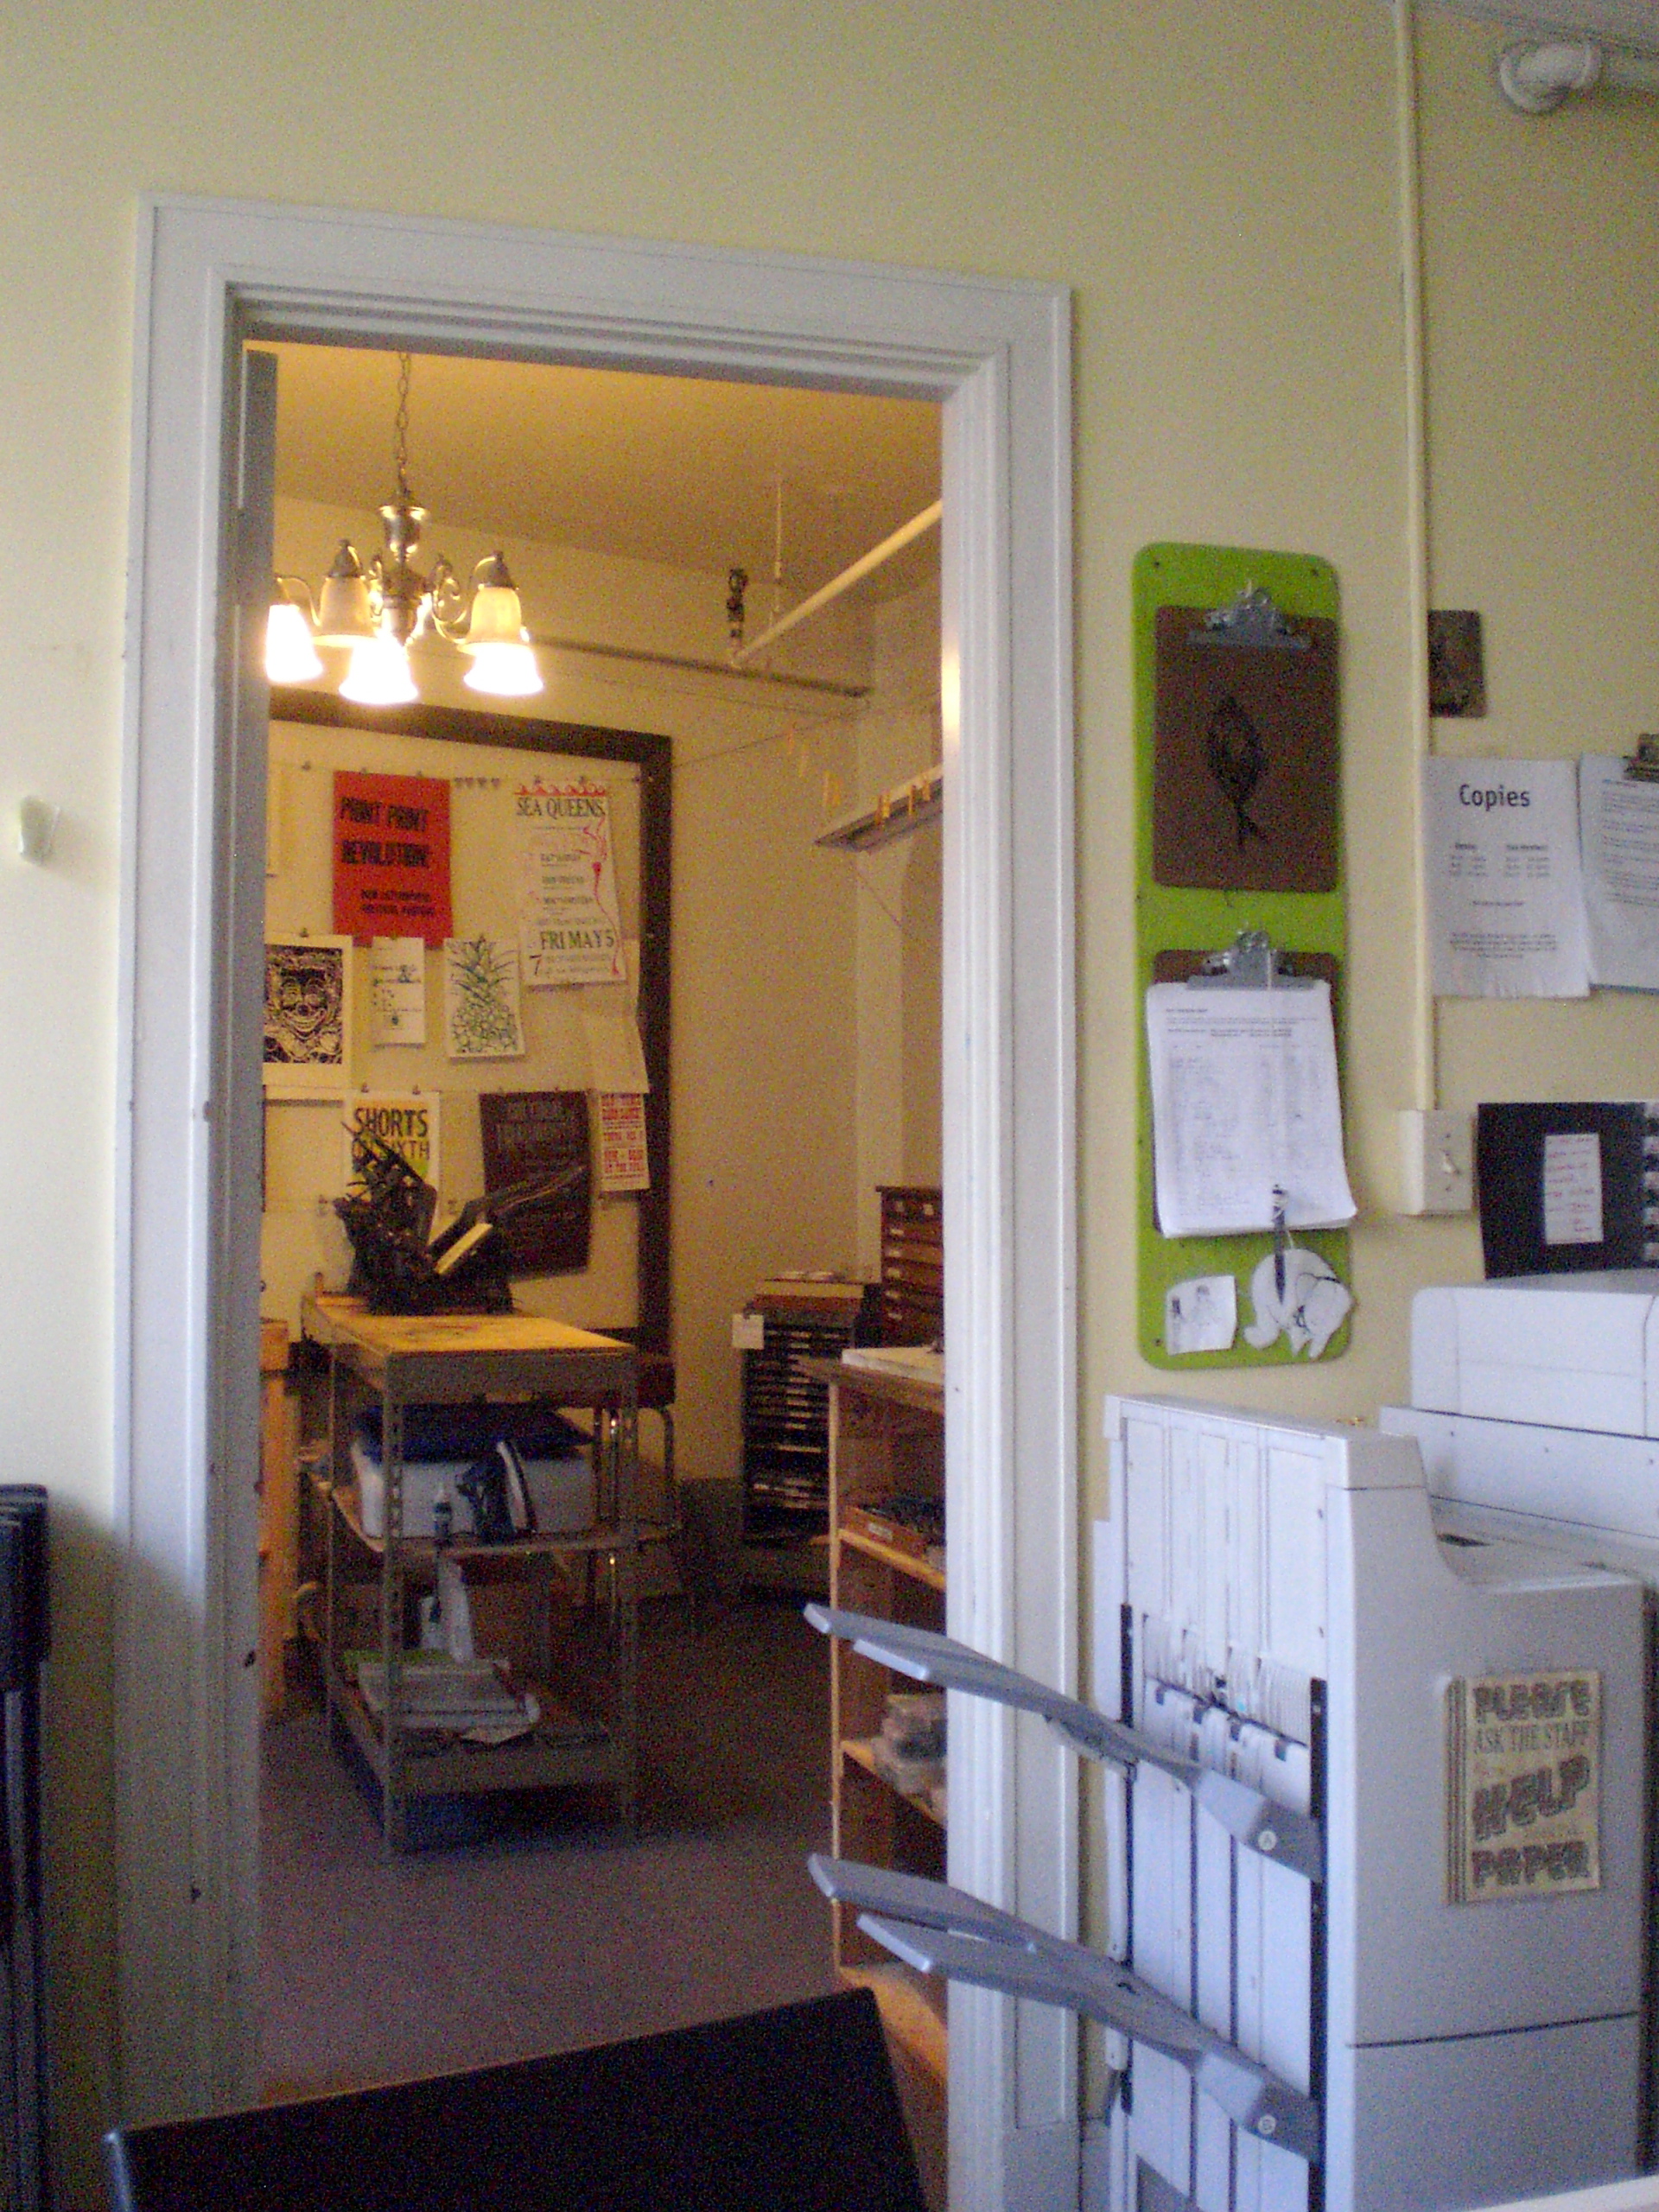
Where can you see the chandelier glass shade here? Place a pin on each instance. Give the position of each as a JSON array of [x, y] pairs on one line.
[[375, 614]]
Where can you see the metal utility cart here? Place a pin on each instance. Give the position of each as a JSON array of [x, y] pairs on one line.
[[586, 1732]]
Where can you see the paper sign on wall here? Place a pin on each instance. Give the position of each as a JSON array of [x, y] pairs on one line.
[[571, 924], [616, 1053], [1524, 1786], [482, 1015], [541, 1137], [392, 857], [1618, 834], [407, 1121], [623, 1164], [307, 1044], [1505, 895], [397, 991]]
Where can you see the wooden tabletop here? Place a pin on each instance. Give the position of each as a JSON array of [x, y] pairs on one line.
[[869, 1382], [331, 1319], [450, 1358]]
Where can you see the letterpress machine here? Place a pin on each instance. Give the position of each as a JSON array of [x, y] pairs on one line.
[[1374, 1805]]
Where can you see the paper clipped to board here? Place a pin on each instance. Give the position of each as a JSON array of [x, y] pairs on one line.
[[1245, 1103]]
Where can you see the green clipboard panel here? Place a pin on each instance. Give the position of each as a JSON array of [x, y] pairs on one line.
[[1262, 838]]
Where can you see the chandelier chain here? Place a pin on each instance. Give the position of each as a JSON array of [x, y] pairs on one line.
[[400, 428]]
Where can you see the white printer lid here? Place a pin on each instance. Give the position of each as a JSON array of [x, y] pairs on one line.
[[1578, 1350]]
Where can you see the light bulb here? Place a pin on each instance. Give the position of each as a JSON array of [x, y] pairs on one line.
[[378, 675], [503, 671], [290, 653]]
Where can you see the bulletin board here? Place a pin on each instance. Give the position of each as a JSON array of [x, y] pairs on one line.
[[481, 762], [1238, 827]]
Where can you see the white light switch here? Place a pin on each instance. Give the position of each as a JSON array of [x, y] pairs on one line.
[[1438, 1161], [37, 828]]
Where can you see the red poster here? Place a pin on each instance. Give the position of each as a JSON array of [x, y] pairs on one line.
[[392, 857]]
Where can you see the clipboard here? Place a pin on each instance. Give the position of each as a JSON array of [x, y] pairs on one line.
[[1260, 601]]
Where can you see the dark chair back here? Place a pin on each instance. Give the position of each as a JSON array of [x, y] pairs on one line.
[[787, 2111]]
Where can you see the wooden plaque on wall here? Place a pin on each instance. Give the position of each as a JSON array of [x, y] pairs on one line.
[[1245, 762]]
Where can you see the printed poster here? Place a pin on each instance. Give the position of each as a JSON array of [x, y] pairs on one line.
[[1505, 895], [1525, 1786], [540, 1138], [307, 1044], [1618, 835], [407, 1121], [623, 1165], [570, 922], [483, 1017], [397, 991], [392, 857]]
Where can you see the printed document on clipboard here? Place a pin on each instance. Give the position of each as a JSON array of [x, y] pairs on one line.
[[1245, 1104]]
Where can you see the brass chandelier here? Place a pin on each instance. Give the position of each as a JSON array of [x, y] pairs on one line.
[[376, 614]]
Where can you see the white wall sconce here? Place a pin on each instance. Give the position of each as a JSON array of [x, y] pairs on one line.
[[37, 828]]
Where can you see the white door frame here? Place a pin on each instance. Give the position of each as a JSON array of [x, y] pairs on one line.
[[998, 356]]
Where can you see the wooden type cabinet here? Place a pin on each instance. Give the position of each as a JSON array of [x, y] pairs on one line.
[[586, 1734], [912, 1263], [886, 1441]]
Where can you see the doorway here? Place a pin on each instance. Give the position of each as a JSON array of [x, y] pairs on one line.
[[997, 356], [796, 1067]]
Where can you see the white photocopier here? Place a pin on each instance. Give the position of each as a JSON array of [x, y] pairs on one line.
[[1375, 1832]]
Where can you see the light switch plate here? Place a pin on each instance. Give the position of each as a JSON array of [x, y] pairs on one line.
[[1437, 1151]]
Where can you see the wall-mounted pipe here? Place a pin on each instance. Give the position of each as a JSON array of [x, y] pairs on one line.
[[860, 568], [1538, 75]]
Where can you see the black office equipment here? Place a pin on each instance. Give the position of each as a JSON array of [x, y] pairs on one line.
[[1564, 1188], [791, 2107], [25, 1640]]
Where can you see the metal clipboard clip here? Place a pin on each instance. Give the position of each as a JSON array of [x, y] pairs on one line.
[[1251, 620], [938, 1929], [1642, 767], [1251, 963], [1274, 1832]]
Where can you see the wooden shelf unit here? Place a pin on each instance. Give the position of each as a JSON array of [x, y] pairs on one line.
[[586, 1732], [886, 1440]]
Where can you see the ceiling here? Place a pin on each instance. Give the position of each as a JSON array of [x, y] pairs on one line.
[[675, 469]]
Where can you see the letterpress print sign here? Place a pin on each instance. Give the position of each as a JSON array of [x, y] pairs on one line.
[[392, 857], [482, 1016], [571, 922], [1525, 1786], [307, 1044], [407, 1121]]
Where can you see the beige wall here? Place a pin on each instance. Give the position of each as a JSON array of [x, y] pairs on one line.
[[1217, 187]]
